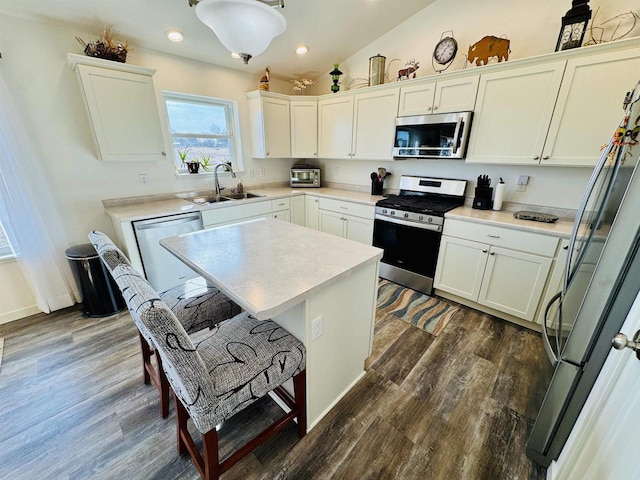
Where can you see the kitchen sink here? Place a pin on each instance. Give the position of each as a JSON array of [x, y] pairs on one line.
[[207, 200], [241, 196]]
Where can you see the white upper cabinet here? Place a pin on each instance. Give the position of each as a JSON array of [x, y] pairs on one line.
[[123, 109], [513, 113], [589, 106], [270, 125], [335, 126], [304, 127], [454, 95], [374, 124], [359, 126]]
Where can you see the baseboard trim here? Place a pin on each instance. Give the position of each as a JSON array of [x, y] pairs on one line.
[[18, 314]]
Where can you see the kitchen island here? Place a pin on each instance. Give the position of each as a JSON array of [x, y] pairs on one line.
[[320, 287]]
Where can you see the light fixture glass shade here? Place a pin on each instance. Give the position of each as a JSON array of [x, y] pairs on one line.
[[243, 26]]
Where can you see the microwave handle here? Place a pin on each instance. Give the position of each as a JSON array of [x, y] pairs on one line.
[[456, 135]]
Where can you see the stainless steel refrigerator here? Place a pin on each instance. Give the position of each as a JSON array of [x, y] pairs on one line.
[[602, 279]]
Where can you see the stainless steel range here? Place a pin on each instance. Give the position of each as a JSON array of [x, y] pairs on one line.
[[408, 227]]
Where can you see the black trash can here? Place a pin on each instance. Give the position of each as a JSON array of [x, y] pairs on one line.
[[100, 293]]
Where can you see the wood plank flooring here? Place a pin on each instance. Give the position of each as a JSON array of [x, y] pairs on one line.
[[456, 406]]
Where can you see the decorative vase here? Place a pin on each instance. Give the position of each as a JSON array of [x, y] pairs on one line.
[[335, 76], [193, 167]]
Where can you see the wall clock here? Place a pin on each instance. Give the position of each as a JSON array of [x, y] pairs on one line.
[[445, 51]]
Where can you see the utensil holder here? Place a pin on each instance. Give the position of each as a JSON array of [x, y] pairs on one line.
[[376, 187]]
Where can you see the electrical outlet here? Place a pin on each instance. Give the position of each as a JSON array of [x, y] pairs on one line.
[[316, 328], [143, 179], [252, 173], [521, 185], [262, 172]]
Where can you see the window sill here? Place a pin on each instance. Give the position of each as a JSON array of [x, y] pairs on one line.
[[8, 259]]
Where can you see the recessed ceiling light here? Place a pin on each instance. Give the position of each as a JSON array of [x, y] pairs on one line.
[[301, 50], [175, 36], [235, 55]]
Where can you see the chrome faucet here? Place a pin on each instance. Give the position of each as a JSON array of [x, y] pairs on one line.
[[215, 176]]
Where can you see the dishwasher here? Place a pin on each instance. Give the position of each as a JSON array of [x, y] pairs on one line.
[[161, 268]]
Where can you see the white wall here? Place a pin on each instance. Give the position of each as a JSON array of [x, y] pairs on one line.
[[532, 28], [16, 299]]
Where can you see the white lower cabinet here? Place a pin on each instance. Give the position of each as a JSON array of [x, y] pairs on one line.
[[353, 221], [312, 212], [298, 213], [500, 268]]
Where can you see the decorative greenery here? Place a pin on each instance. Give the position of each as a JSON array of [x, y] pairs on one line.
[[182, 153], [106, 46], [205, 161]]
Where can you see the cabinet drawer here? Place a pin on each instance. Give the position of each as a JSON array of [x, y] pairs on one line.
[[502, 237], [236, 212], [356, 209], [280, 204]]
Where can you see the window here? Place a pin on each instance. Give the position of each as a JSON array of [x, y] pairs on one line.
[[204, 130], [5, 246]]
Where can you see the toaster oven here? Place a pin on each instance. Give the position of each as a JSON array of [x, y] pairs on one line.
[[305, 177]]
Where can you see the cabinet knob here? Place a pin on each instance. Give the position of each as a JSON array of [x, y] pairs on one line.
[[485, 251], [545, 157], [566, 247], [492, 253], [493, 236], [429, 109], [267, 154], [435, 107], [164, 154], [536, 157]]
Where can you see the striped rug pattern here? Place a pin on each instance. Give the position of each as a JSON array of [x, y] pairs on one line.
[[429, 313]]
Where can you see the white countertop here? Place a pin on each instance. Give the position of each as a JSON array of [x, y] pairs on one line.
[[132, 210], [267, 266], [505, 218]]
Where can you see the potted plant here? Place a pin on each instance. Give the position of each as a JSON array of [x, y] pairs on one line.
[[106, 46], [205, 161]]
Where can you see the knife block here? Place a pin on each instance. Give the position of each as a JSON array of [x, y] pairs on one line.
[[482, 200]]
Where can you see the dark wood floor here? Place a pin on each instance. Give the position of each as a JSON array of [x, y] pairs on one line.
[[456, 406]]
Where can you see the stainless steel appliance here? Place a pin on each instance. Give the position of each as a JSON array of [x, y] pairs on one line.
[[600, 284], [305, 176], [442, 135], [161, 268], [408, 227]]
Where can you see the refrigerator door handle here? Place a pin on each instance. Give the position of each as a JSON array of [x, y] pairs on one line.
[[546, 341]]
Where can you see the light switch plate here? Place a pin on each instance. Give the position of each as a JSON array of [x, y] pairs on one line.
[[316, 328]]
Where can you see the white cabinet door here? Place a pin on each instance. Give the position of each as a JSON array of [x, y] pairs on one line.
[[358, 229], [374, 124], [124, 116], [513, 113], [270, 125], [312, 212], [585, 117], [513, 282], [332, 222], [460, 267], [283, 215], [335, 127], [304, 128], [456, 95], [416, 99], [298, 214]]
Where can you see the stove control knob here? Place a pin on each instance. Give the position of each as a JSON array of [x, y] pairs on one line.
[[392, 212], [429, 220], [384, 210], [420, 218], [406, 215]]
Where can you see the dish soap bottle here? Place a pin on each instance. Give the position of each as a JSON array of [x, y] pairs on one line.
[[240, 188]]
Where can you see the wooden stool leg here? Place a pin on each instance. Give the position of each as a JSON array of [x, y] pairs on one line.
[[163, 389], [146, 358], [300, 392], [181, 424], [210, 455]]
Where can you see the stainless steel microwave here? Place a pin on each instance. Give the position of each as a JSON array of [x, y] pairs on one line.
[[305, 177], [444, 135]]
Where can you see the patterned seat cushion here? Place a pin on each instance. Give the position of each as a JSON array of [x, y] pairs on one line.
[[239, 361], [199, 305]]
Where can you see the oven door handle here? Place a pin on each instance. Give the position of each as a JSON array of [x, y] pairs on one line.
[[421, 226], [456, 135]]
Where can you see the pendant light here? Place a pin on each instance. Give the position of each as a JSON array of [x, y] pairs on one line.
[[246, 27]]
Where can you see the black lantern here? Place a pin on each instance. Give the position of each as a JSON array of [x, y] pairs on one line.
[[335, 77], [574, 25]]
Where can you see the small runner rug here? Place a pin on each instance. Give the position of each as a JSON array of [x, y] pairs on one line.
[[422, 311]]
